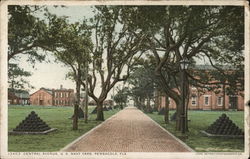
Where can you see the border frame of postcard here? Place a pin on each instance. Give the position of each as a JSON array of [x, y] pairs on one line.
[[3, 83]]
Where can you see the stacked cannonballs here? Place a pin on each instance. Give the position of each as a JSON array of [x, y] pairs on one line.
[[32, 123], [224, 126]]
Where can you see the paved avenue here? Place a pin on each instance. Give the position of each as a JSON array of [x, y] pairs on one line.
[[129, 130]]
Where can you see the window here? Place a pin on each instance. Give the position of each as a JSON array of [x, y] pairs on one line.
[[219, 101], [206, 100], [194, 101]]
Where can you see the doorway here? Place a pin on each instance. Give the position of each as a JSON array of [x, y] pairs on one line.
[[40, 102], [233, 102]]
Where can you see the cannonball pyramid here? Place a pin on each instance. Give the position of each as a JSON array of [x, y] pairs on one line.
[[224, 126], [32, 124]]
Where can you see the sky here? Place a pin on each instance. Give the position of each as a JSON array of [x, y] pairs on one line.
[[52, 75]]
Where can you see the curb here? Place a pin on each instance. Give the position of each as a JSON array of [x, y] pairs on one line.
[[181, 142], [85, 134]]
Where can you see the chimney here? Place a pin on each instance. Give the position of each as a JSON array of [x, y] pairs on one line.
[[61, 86]]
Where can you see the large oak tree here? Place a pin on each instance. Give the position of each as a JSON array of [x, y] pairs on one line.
[[114, 53], [193, 32]]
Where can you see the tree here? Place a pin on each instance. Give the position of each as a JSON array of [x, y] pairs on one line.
[[143, 84], [113, 53], [121, 97], [177, 32], [15, 72], [27, 35], [73, 48]]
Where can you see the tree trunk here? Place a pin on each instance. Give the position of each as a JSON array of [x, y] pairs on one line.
[[224, 96], [166, 115], [140, 103], [86, 94], [136, 102], [148, 105], [100, 115], [186, 112], [143, 104], [77, 103], [156, 106], [121, 105], [178, 116]]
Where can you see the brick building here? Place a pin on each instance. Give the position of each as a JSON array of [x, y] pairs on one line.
[[55, 97], [18, 97], [205, 99]]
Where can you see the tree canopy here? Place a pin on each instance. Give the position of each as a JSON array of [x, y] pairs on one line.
[[173, 33]]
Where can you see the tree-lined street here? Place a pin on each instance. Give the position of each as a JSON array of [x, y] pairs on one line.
[[129, 130]]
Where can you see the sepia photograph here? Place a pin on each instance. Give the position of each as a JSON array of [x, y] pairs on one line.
[[121, 79]]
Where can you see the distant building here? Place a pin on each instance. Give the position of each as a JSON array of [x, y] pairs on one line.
[[18, 97], [206, 101], [203, 99], [55, 97]]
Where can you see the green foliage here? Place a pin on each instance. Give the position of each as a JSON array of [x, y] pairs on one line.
[[195, 32], [55, 117], [198, 141], [143, 82], [26, 35], [121, 97], [26, 32], [17, 76], [115, 49], [73, 41]]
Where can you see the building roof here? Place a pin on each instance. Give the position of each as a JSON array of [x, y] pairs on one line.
[[19, 93], [210, 67], [44, 89], [23, 95], [47, 90]]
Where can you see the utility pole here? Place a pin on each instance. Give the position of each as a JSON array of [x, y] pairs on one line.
[[86, 93]]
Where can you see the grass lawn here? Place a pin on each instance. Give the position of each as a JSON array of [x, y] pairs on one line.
[[55, 117], [200, 120]]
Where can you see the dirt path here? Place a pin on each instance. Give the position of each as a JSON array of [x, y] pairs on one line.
[[129, 130]]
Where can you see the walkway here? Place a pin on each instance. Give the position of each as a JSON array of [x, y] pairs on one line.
[[129, 130]]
